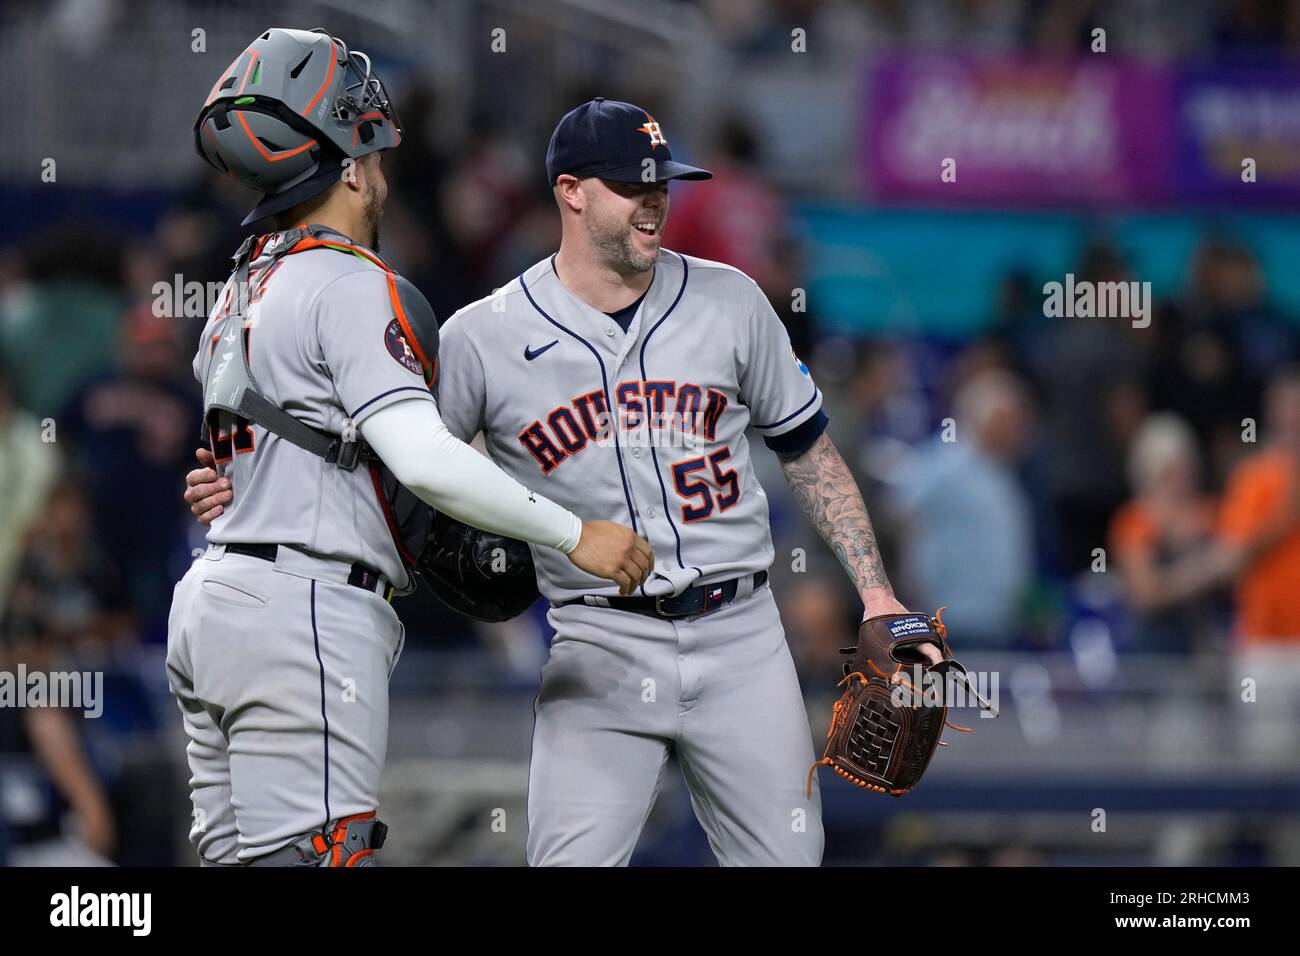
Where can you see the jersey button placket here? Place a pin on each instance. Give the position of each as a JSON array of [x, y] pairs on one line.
[[626, 347]]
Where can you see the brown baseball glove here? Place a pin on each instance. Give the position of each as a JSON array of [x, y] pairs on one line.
[[885, 728]]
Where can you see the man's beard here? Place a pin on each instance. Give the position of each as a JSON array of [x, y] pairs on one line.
[[614, 242], [371, 213]]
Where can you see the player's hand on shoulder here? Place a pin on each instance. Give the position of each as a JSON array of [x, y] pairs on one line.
[[205, 493], [610, 550]]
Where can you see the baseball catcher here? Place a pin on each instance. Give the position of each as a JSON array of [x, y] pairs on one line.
[[884, 728]]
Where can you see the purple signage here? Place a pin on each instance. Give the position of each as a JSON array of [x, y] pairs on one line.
[[1235, 120], [972, 130]]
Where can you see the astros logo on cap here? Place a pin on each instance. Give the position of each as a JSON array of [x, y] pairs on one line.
[[651, 128]]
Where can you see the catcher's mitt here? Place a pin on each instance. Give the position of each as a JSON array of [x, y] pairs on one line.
[[884, 729], [482, 575]]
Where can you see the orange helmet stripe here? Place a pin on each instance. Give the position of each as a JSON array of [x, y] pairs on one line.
[[265, 152]]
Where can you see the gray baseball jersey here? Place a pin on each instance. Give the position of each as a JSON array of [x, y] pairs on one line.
[[648, 426], [280, 668], [645, 427], [330, 353]]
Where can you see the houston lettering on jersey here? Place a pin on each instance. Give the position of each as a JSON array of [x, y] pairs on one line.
[[652, 412]]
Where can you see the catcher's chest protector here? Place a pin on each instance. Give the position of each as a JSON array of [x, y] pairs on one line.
[[232, 398]]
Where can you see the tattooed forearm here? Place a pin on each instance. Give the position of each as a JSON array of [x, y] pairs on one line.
[[829, 496]]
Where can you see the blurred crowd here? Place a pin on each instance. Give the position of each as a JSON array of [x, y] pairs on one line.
[[1054, 471], [1046, 473]]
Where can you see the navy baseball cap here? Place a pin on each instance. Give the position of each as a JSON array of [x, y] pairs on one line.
[[610, 140]]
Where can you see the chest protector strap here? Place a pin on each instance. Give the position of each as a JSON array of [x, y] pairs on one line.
[[232, 398]]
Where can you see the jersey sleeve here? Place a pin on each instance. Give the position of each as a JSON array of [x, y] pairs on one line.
[[462, 380], [784, 401], [366, 353]]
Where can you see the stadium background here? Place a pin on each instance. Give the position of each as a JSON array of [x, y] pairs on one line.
[[913, 300]]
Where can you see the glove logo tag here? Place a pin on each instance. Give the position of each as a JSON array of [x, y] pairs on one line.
[[909, 626]]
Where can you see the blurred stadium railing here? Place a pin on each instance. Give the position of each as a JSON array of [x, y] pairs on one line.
[[1151, 741]]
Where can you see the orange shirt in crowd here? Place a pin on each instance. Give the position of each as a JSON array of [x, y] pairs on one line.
[[1260, 494], [1134, 531]]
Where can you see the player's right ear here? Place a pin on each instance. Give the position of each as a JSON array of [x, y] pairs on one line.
[[569, 192], [356, 173]]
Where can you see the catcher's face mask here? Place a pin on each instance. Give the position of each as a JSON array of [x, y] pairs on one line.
[[363, 91]]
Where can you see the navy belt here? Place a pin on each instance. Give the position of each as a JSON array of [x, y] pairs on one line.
[[360, 577], [696, 600]]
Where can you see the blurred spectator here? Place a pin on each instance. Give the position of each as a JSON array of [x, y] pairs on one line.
[[738, 217], [415, 233], [484, 194], [1260, 527], [28, 467], [1091, 378], [534, 236], [1217, 347], [59, 327], [66, 590], [968, 539], [69, 610], [43, 769], [884, 404], [1162, 540], [45, 773], [1199, 374], [198, 234], [819, 617], [1017, 329], [1260, 524], [1229, 295], [135, 430]]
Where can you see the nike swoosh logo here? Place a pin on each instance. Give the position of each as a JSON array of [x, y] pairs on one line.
[[530, 354]]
